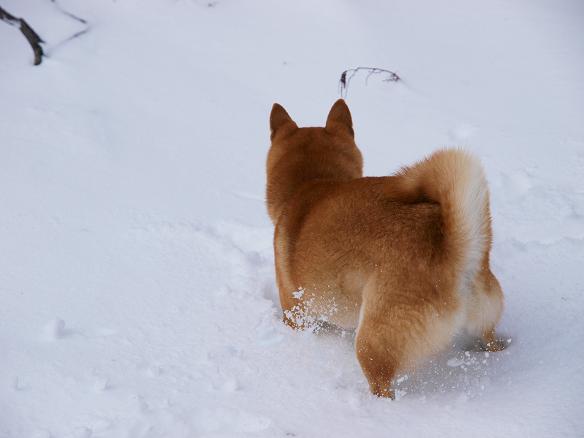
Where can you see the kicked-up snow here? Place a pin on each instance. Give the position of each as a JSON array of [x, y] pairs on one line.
[[137, 292]]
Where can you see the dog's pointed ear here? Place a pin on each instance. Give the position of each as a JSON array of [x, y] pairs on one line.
[[280, 118], [340, 117]]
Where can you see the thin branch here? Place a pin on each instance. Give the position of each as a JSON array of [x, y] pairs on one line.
[[347, 75], [31, 36], [74, 17], [69, 14]]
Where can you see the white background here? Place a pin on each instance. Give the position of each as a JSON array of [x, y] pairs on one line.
[[137, 294]]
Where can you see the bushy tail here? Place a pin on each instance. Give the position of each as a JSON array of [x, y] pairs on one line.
[[454, 179]]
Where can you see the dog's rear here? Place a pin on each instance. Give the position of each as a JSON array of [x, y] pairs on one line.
[[451, 289], [405, 258]]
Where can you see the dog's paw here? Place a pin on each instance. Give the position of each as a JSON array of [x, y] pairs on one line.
[[490, 345], [384, 393], [496, 345]]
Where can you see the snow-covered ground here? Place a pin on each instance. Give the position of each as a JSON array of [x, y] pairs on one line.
[[137, 294]]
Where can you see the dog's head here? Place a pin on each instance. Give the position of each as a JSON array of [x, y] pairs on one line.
[[303, 155], [338, 122]]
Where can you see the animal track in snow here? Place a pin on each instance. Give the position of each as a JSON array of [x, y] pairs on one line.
[[55, 329], [461, 133]]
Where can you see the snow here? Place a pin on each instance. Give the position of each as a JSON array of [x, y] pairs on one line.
[[136, 277]]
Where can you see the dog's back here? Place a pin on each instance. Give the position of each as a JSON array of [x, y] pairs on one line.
[[404, 258]]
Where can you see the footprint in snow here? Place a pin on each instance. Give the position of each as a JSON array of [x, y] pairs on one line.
[[513, 185], [461, 133], [55, 329], [223, 420]]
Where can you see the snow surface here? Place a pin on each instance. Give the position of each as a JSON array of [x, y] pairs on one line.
[[136, 277]]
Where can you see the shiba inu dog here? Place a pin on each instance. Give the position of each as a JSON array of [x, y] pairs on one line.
[[404, 259]]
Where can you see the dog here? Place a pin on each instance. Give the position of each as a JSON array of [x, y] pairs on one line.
[[403, 259]]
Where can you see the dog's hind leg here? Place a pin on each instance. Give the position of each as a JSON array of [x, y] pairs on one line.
[[380, 341], [484, 311], [378, 359], [399, 324]]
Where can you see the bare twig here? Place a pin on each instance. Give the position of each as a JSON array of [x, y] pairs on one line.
[[347, 75], [31, 36], [74, 17], [69, 14]]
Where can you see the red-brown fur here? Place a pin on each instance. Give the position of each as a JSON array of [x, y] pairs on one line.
[[403, 258]]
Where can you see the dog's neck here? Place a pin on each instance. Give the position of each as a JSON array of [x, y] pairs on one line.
[[308, 156]]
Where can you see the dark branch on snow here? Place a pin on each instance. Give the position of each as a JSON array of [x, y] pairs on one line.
[[31, 36], [347, 75]]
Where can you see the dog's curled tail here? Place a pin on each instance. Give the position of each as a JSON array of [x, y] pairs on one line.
[[456, 180]]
